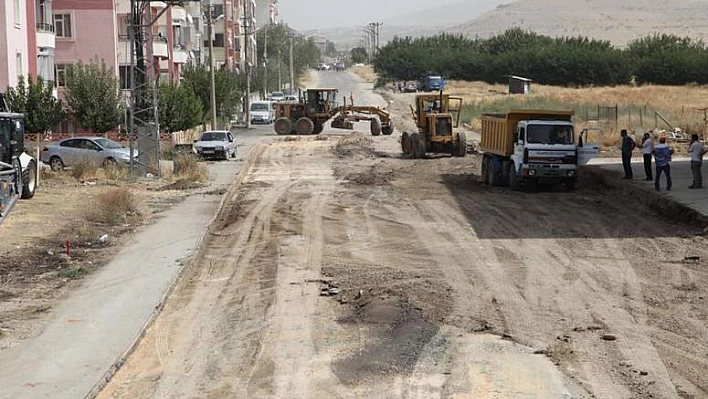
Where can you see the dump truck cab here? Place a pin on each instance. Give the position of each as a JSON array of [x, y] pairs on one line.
[[435, 115]]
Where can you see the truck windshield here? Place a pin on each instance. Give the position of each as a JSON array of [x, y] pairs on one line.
[[259, 107], [549, 134]]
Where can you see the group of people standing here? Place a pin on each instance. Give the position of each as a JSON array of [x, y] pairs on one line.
[[661, 154]]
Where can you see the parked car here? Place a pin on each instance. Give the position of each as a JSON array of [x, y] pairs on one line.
[[215, 144], [262, 112], [98, 150], [411, 87], [277, 96], [323, 67], [291, 98]]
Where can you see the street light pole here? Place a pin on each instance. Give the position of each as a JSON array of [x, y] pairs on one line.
[[292, 72], [212, 76], [265, 62]]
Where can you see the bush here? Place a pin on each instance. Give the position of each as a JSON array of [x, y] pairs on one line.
[[113, 206], [83, 168], [188, 168], [115, 171]]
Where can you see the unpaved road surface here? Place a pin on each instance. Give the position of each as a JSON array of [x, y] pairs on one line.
[[436, 286]]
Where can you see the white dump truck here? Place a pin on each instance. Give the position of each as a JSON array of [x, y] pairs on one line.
[[532, 146], [18, 170]]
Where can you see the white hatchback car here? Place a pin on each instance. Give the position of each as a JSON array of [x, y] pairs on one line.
[[215, 144]]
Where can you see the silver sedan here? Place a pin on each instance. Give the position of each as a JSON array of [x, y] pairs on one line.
[[98, 150]]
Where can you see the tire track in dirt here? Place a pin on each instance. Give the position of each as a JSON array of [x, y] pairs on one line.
[[215, 324]]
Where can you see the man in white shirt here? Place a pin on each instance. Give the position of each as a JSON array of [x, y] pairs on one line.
[[696, 150], [647, 148]]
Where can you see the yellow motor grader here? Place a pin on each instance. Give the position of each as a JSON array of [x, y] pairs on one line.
[[435, 115], [317, 106]]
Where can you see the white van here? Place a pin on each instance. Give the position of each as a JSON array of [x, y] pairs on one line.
[[261, 112]]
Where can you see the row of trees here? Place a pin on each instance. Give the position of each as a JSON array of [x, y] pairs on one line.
[[95, 103], [277, 61], [659, 59]]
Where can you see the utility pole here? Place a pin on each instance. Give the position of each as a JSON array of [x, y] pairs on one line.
[[280, 83], [265, 62], [292, 71], [247, 63], [212, 76]]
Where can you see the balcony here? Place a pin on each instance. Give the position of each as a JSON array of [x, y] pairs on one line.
[[159, 47], [45, 35], [179, 16], [180, 55]]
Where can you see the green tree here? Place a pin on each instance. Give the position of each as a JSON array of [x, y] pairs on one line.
[[92, 96], [305, 54], [330, 49], [358, 55], [180, 108], [197, 79], [36, 101]]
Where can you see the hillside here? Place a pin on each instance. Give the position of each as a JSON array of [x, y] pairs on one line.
[[617, 21], [444, 15]]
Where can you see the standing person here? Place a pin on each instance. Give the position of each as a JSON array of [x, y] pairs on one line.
[[696, 150], [647, 148], [628, 146], [662, 160]]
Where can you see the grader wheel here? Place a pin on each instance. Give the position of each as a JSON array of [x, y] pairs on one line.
[[388, 129], [282, 126], [304, 126], [459, 148], [375, 127], [406, 144]]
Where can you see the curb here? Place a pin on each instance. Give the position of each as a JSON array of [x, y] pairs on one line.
[[116, 366], [666, 207]]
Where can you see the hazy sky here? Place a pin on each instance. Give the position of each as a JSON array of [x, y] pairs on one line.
[[313, 14]]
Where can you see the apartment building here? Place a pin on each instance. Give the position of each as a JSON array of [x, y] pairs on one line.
[[27, 41]]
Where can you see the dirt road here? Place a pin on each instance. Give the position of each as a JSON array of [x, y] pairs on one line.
[[436, 287]]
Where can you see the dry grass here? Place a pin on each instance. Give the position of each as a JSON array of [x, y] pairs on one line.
[[83, 169], [113, 172], [188, 168], [113, 206], [365, 72]]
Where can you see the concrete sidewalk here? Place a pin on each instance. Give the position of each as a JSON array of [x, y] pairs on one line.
[[88, 333], [696, 199]]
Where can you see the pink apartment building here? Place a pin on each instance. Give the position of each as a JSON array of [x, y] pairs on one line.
[[26, 41]]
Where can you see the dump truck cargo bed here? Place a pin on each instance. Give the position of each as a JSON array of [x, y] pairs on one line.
[[498, 129]]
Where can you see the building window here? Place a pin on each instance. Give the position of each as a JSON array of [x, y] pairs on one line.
[[218, 40], [60, 74], [62, 25], [18, 13], [18, 64], [124, 75]]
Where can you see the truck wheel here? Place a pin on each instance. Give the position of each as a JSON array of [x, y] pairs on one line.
[[282, 126], [460, 147], [406, 144], [375, 127], [18, 176], [485, 170], [494, 174], [29, 180], [388, 130], [513, 177], [304, 126]]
